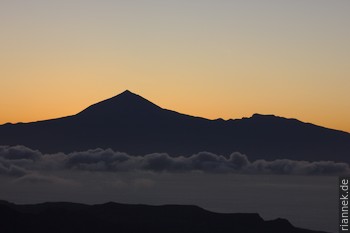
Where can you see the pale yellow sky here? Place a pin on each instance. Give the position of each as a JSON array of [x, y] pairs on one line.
[[213, 59]]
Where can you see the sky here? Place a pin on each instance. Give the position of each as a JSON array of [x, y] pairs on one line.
[[215, 59]]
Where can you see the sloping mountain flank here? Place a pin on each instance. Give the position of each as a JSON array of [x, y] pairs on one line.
[[130, 123]]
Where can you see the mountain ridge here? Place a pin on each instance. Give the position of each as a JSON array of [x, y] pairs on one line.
[[133, 218], [130, 123], [128, 93]]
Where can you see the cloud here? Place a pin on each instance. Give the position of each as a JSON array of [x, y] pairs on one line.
[[286, 166], [37, 179], [9, 169], [21, 161]]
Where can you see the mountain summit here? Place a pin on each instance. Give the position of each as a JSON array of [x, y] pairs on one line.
[[130, 123], [126, 103]]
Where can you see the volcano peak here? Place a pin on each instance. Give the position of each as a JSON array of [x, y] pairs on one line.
[[125, 102]]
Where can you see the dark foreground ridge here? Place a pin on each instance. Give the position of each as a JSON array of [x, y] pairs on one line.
[[112, 217], [129, 123]]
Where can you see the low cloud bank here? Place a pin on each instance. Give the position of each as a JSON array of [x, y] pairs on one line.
[[19, 161]]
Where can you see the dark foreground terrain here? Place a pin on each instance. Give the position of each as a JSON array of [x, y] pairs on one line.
[[113, 217]]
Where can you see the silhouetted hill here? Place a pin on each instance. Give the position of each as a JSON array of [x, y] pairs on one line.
[[132, 124], [113, 217]]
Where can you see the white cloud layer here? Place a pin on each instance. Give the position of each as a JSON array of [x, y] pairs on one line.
[[19, 161]]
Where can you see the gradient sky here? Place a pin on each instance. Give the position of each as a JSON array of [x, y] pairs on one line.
[[214, 59]]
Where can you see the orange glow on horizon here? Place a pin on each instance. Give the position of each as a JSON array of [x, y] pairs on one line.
[[226, 60], [43, 109]]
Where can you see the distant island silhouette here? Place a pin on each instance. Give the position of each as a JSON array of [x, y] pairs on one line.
[[112, 217], [129, 123]]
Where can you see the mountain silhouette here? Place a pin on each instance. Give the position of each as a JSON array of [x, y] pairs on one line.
[[129, 123], [113, 217], [126, 104]]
